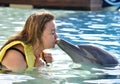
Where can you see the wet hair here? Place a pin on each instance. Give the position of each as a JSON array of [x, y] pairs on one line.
[[33, 28]]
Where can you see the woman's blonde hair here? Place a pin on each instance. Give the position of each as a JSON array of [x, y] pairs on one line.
[[33, 29]]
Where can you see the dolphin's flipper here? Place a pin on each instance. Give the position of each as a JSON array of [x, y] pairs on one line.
[[88, 54]]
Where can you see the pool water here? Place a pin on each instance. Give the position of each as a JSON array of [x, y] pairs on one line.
[[101, 28]]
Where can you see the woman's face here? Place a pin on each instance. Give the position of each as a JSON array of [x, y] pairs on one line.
[[49, 36]]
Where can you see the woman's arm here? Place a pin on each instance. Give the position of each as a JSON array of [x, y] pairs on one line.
[[14, 60]]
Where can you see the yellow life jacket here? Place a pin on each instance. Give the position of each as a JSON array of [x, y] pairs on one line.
[[29, 55]]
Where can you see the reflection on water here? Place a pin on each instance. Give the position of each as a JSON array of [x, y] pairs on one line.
[[101, 28]]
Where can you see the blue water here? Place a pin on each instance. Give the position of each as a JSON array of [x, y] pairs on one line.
[[101, 28]]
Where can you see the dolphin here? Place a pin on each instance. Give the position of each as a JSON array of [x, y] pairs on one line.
[[88, 54]]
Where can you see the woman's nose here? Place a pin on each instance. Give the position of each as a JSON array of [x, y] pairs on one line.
[[56, 36]]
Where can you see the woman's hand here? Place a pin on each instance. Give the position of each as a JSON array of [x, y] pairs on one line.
[[39, 62], [47, 57]]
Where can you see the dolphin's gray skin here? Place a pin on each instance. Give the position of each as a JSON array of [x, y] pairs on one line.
[[88, 54]]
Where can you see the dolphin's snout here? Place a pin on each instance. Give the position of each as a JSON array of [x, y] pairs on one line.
[[61, 42], [58, 41]]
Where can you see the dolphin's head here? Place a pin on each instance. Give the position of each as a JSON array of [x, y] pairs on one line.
[[87, 54]]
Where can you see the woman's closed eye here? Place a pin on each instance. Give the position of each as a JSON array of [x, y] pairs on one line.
[[53, 32]]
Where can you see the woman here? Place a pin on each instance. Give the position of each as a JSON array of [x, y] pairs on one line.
[[25, 50]]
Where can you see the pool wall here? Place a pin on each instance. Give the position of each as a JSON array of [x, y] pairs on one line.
[[61, 4]]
